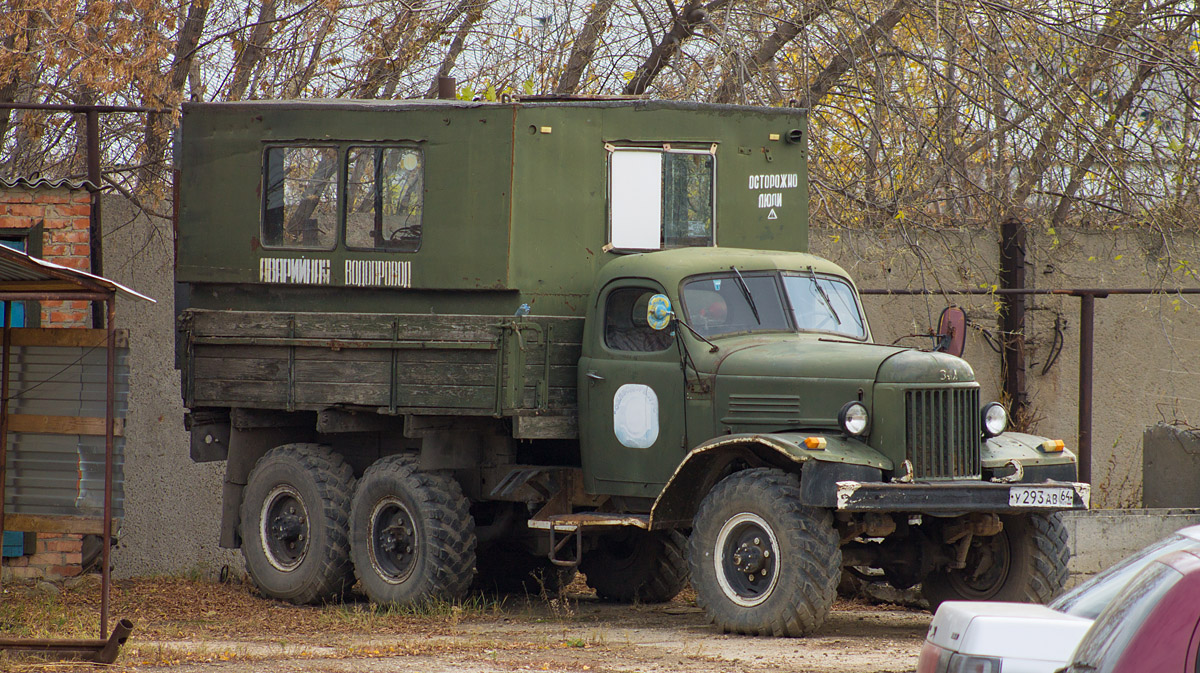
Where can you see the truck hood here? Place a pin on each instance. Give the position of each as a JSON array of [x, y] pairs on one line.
[[1032, 633], [801, 357], [910, 366], [808, 357]]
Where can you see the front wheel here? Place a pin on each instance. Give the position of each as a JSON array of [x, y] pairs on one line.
[[1026, 562], [412, 537], [762, 563]]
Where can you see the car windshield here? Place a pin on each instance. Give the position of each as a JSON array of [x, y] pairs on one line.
[[1106, 639], [1090, 598], [745, 301]]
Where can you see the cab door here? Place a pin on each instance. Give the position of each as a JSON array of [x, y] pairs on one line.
[[631, 395]]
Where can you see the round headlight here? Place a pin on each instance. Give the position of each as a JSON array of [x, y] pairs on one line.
[[995, 419], [853, 418]]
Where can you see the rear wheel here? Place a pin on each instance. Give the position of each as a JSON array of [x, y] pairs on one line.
[[295, 524], [762, 563], [637, 565], [1025, 562], [412, 536]]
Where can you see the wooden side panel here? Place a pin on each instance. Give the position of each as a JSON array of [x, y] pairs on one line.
[[428, 364]]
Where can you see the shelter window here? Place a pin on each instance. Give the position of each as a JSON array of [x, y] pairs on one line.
[[384, 198], [625, 324], [300, 198], [661, 197]]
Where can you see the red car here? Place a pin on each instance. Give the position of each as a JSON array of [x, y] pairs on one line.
[[1153, 625]]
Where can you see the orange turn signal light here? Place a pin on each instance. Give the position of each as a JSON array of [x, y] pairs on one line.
[[816, 443], [1053, 445]]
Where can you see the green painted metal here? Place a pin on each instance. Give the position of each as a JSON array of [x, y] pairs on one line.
[[515, 196], [500, 310]]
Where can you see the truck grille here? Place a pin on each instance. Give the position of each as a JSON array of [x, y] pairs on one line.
[[943, 434]]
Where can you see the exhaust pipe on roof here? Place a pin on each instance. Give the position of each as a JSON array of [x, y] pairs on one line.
[[447, 88]]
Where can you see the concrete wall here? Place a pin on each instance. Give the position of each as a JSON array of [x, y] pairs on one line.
[[1146, 353], [172, 505], [1100, 538]]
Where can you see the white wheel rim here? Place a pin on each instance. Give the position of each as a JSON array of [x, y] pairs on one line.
[[720, 568]]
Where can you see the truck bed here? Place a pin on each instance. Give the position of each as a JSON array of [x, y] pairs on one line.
[[478, 365]]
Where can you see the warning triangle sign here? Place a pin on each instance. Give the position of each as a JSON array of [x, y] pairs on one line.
[[772, 216]]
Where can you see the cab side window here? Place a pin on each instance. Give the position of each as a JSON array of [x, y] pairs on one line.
[[625, 326], [300, 198], [384, 188]]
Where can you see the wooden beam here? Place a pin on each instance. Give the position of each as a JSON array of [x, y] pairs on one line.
[[40, 286], [78, 338], [63, 425], [45, 523]]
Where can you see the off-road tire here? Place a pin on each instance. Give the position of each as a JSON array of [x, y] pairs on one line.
[[749, 513], [637, 566], [412, 535], [1035, 550], [310, 486], [508, 569]]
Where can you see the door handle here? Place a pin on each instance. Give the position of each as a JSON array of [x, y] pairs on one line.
[[593, 375]]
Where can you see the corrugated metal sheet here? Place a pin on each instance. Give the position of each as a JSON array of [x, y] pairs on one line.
[[45, 183], [63, 475], [18, 266]]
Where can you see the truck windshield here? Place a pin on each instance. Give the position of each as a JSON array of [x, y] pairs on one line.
[[745, 301], [730, 303], [824, 304]]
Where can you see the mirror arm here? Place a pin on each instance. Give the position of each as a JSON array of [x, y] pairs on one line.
[[713, 347]]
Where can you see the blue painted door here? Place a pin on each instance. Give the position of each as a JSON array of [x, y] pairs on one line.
[[14, 541]]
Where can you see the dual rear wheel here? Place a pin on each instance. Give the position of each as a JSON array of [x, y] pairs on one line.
[[408, 536], [308, 529]]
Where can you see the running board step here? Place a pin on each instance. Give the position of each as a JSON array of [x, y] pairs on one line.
[[571, 526], [567, 523]]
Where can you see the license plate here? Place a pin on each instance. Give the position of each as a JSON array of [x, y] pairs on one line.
[[1040, 496]]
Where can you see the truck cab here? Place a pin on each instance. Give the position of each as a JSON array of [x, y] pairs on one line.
[[443, 345]]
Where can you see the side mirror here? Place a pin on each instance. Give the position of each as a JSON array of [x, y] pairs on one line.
[[952, 331], [658, 312]]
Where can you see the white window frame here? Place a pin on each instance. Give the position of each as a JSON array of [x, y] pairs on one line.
[[635, 224]]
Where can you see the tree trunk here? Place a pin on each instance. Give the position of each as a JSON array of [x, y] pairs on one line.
[[733, 82], [852, 52], [158, 125], [252, 50], [584, 49], [683, 26]]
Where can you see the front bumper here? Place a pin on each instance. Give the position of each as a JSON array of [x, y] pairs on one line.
[[952, 498]]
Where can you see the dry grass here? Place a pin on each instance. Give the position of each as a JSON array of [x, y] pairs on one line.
[[222, 618]]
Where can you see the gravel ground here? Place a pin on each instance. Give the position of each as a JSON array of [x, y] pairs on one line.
[[202, 627]]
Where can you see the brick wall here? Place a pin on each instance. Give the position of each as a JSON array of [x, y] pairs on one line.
[[58, 555], [62, 215]]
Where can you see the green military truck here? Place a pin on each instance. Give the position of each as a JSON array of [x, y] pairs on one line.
[[446, 344]]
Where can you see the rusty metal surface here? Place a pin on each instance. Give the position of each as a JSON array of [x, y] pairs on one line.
[[26, 277], [100, 650]]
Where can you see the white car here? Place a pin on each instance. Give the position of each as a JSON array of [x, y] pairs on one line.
[[981, 637]]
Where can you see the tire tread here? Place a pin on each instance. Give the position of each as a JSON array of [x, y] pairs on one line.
[[805, 605], [335, 482]]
